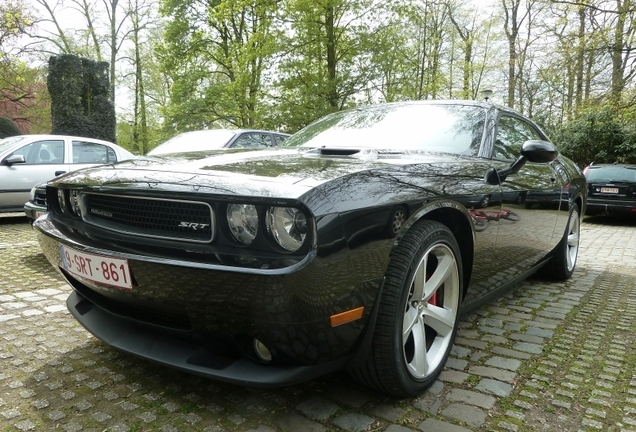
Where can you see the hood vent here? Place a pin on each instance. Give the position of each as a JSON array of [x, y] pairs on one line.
[[335, 151]]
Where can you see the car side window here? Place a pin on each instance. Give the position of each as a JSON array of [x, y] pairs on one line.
[[512, 132], [253, 141], [42, 152], [279, 139], [93, 153]]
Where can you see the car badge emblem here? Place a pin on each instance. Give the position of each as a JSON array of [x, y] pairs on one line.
[[193, 225], [104, 213]]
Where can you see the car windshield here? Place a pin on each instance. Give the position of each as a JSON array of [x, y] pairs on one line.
[[7, 142], [615, 174], [451, 128], [195, 141]]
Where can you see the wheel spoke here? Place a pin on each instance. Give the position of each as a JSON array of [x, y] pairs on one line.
[[440, 319], [445, 268], [419, 280], [410, 320], [419, 363], [573, 240]]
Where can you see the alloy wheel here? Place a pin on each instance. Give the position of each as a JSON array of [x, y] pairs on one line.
[[431, 311]]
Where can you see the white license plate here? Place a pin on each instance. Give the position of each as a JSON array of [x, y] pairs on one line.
[[97, 268], [609, 190]]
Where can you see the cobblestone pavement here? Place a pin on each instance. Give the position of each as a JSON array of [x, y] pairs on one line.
[[546, 356]]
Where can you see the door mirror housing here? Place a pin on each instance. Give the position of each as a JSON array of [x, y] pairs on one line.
[[536, 151], [15, 159], [539, 151]]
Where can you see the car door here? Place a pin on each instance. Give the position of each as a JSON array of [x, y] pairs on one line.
[[43, 160], [531, 199]]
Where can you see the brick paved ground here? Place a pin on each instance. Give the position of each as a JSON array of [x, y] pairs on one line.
[[546, 356]]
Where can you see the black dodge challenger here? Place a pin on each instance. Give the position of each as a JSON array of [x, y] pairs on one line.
[[355, 244]]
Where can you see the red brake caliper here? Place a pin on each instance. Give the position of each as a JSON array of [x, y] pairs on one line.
[[433, 299]]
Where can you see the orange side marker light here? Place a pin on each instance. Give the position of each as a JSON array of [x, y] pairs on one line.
[[347, 316]]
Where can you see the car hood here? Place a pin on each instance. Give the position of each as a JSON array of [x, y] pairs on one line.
[[280, 172]]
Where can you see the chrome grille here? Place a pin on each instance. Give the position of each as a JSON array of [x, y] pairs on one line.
[[150, 217]]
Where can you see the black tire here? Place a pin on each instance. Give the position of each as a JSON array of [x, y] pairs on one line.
[[564, 256], [428, 254]]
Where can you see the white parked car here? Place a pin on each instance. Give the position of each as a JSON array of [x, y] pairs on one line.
[[26, 160]]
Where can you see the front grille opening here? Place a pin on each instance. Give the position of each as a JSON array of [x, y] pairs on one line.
[[40, 197], [173, 321], [159, 218]]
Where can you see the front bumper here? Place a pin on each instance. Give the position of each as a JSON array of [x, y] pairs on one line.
[[171, 349], [603, 206], [33, 211], [203, 319]]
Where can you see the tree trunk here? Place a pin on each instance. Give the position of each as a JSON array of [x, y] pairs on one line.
[[332, 92], [617, 52], [511, 27]]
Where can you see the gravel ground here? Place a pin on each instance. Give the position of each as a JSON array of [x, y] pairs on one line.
[[544, 357]]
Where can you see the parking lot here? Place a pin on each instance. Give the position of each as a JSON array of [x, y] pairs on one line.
[[546, 356]]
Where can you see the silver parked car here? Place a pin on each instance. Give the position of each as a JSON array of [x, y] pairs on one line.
[[216, 139], [26, 160]]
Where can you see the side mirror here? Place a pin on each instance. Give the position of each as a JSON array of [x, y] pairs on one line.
[[15, 159], [539, 151]]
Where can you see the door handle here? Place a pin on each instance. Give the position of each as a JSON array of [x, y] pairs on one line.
[[57, 173]]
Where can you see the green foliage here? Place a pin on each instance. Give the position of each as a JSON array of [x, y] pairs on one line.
[[80, 105], [15, 19], [8, 128], [598, 135], [215, 53], [127, 134], [327, 62]]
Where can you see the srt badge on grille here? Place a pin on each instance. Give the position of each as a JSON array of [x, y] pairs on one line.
[[102, 212], [193, 225]]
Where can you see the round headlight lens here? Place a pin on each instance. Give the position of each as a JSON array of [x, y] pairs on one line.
[[288, 226], [61, 201], [243, 222]]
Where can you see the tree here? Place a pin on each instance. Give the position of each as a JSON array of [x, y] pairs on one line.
[[87, 43], [140, 14], [326, 60], [518, 15], [598, 135], [20, 85], [23, 97], [466, 34], [215, 53]]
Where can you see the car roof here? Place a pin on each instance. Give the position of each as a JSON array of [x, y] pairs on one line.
[[53, 136], [257, 130], [238, 131], [626, 166]]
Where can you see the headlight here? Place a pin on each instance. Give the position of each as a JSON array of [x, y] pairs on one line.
[[61, 201], [288, 226], [243, 222], [32, 193]]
